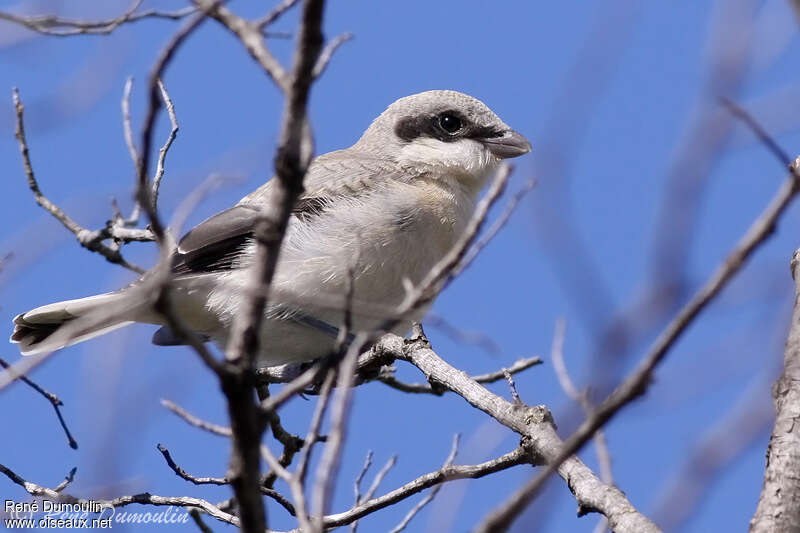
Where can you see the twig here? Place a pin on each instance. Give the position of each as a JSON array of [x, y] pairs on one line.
[[162, 153], [379, 477], [327, 53], [512, 387], [180, 472], [451, 264], [143, 188], [495, 228], [69, 478], [765, 138], [273, 15], [329, 463], [127, 130], [425, 388], [196, 422], [357, 486], [91, 240], [443, 475], [431, 495], [54, 400], [581, 398]]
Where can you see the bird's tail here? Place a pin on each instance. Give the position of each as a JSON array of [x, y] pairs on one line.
[[54, 326]]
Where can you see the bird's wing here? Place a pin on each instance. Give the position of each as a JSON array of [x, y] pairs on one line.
[[216, 243]]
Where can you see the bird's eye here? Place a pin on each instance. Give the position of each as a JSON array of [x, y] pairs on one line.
[[449, 123]]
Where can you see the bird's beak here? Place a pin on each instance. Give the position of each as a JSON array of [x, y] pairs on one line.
[[510, 144]]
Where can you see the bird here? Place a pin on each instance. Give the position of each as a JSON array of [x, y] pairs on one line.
[[373, 218]]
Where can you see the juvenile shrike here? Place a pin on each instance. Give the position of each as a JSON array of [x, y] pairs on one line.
[[380, 214]]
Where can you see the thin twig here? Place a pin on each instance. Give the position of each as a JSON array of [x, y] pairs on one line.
[[54, 400], [195, 421], [432, 494], [357, 486], [442, 475], [581, 398], [492, 377], [327, 53], [180, 472], [329, 463], [91, 240], [162, 153], [273, 15], [379, 477]]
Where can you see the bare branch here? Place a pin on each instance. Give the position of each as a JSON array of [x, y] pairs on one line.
[[536, 426], [91, 240], [443, 475], [54, 400], [144, 498]]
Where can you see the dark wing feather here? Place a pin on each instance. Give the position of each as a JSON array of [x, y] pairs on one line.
[[215, 243]]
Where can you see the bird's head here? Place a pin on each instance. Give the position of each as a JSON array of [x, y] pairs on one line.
[[443, 132]]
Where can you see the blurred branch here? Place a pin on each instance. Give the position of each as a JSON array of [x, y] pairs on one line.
[[64, 27], [638, 380], [779, 505], [581, 398], [719, 449]]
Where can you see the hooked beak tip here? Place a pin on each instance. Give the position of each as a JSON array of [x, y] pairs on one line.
[[510, 144]]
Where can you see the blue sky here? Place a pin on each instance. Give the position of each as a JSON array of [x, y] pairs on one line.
[[605, 91]]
